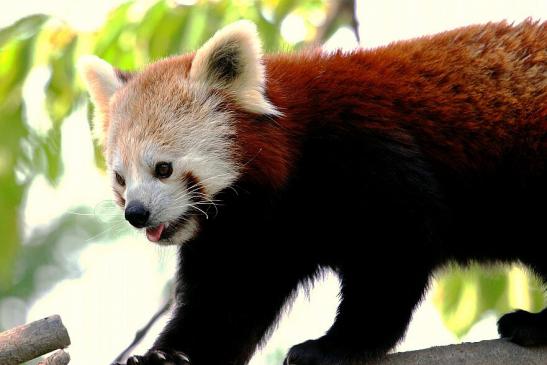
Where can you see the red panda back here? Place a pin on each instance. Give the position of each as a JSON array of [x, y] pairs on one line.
[[465, 96]]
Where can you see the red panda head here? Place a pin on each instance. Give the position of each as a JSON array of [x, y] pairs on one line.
[[169, 134]]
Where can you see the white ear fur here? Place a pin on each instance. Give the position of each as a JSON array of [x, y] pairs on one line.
[[232, 60], [100, 78], [102, 82]]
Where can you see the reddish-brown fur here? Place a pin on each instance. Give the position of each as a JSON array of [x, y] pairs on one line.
[[465, 96]]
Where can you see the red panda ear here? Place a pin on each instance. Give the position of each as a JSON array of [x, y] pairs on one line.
[[101, 80], [232, 61]]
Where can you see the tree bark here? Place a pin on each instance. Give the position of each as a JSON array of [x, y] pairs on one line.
[[27, 342], [58, 358], [492, 352]]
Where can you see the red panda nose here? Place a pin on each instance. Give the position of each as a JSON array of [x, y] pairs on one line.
[[137, 214]]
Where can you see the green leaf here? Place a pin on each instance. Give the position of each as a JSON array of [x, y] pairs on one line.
[[146, 29], [465, 312], [60, 90], [449, 291], [194, 29], [492, 286], [110, 43], [22, 29], [51, 148], [463, 296], [15, 61], [167, 39]]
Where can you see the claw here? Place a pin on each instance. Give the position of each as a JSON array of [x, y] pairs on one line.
[[133, 360], [160, 355], [182, 357]]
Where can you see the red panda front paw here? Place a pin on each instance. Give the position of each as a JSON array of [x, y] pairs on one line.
[[159, 357]]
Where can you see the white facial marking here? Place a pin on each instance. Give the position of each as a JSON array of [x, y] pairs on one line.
[[196, 139]]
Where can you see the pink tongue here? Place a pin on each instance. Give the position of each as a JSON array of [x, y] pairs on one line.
[[154, 233]]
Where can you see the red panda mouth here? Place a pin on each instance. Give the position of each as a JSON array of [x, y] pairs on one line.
[[154, 233], [164, 231]]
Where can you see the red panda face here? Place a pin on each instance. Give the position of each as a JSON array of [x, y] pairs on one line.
[[174, 154], [169, 140]]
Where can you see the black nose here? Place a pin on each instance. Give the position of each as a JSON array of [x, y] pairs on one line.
[[137, 214]]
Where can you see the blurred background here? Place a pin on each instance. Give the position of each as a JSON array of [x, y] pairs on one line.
[[64, 246]]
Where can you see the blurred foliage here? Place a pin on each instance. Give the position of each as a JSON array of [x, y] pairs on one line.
[[17, 48], [276, 357], [465, 295], [134, 34]]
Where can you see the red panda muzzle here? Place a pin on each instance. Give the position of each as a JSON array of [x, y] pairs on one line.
[[154, 233]]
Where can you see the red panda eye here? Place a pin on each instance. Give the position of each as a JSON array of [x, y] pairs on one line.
[[119, 179], [163, 170]]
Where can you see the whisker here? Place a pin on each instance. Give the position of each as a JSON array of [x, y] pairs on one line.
[[111, 229], [198, 209], [203, 202], [91, 214]]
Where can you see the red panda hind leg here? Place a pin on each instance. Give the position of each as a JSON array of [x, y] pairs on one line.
[[365, 328], [522, 327], [384, 268]]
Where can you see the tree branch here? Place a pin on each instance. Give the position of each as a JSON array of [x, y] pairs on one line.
[[492, 352], [27, 342], [58, 358], [338, 12]]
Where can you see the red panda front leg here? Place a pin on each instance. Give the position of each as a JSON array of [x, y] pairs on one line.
[[220, 319]]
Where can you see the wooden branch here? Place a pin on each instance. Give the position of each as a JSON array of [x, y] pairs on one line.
[[58, 358], [337, 11], [493, 352], [27, 342]]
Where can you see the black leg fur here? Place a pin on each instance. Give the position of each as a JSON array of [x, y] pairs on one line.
[[376, 303], [222, 319]]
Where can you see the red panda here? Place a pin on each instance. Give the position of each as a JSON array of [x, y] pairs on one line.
[[381, 164]]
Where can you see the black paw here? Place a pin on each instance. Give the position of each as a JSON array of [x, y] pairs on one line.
[[159, 357], [307, 353], [325, 351], [524, 328]]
